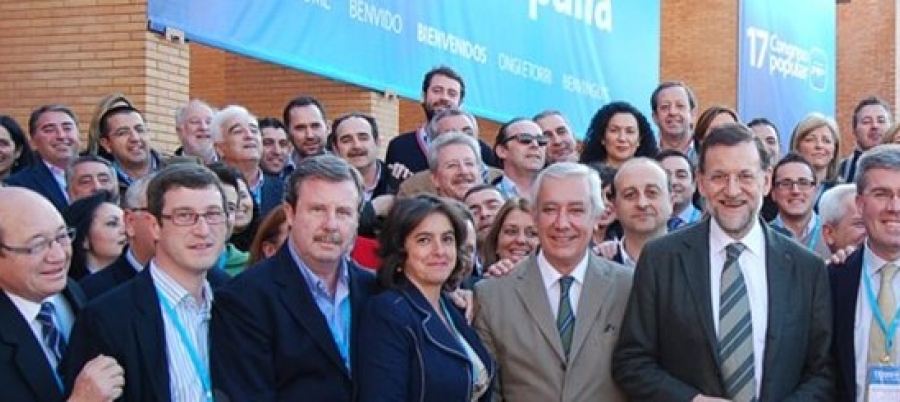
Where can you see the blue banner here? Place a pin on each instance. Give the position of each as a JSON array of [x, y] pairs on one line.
[[517, 57], [786, 62]]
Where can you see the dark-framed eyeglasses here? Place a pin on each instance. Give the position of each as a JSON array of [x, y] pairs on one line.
[[41, 246], [788, 184], [190, 218], [528, 138]]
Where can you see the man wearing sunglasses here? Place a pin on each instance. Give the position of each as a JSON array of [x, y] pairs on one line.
[[521, 149]]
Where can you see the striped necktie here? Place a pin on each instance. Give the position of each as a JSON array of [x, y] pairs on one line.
[[735, 329], [53, 339], [565, 318]]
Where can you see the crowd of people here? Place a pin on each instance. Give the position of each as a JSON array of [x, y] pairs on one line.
[[281, 259]]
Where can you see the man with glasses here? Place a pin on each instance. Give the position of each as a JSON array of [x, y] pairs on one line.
[[38, 304], [794, 191], [157, 324], [521, 148], [727, 308]]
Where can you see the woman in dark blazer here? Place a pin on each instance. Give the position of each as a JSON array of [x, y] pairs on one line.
[[414, 345]]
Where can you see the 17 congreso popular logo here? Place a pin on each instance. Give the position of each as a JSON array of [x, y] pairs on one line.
[[780, 57]]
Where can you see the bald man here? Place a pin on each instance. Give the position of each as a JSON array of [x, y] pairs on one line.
[[38, 305]]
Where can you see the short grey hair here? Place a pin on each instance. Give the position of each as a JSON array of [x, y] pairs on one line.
[[326, 167], [561, 170], [182, 112], [70, 170], [432, 130], [831, 205], [136, 195], [886, 156], [451, 138], [224, 115]]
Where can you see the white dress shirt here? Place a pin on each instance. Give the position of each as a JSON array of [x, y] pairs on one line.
[[184, 380], [863, 322], [753, 268], [551, 283], [64, 318]]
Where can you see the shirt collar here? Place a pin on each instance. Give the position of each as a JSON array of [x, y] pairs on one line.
[[871, 262], [690, 214], [626, 258], [129, 255], [316, 285], [754, 240], [28, 308], [551, 276], [174, 292]]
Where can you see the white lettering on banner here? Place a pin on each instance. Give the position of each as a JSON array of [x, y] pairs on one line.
[[598, 12], [434, 37], [373, 15], [787, 59], [585, 87], [525, 68], [326, 4]]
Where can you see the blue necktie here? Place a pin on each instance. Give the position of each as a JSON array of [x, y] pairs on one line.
[[674, 223], [53, 339], [565, 318]]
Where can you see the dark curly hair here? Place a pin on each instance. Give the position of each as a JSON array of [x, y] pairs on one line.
[[403, 218], [594, 139]]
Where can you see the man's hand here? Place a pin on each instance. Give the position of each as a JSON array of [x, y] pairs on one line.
[[382, 204], [841, 255], [101, 379], [464, 299], [499, 268], [607, 249], [399, 171]]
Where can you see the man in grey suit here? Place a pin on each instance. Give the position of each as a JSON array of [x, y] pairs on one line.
[[552, 323], [727, 308]]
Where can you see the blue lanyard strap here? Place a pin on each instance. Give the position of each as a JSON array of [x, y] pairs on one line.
[[889, 331], [813, 237], [201, 369]]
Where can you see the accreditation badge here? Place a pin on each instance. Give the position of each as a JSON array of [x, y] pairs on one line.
[[884, 384]]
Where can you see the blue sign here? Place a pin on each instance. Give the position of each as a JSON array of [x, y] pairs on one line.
[[786, 64], [517, 57]]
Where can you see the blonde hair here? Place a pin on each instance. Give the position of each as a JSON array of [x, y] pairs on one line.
[[810, 123]]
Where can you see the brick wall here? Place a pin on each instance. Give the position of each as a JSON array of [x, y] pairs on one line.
[[867, 51], [688, 54], [223, 78], [75, 52]]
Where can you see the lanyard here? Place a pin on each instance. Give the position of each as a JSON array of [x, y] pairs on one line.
[[889, 332], [200, 368], [813, 237]]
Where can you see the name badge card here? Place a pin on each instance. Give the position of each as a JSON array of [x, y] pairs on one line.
[[884, 384]]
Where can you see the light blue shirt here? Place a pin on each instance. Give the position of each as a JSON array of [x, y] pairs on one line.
[[334, 307]]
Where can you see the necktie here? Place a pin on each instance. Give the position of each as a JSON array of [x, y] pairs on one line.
[[565, 318], [735, 329], [674, 223], [887, 304], [53, 339]]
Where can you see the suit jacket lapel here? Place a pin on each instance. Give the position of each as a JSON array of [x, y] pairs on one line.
[[294, 293], [695, 267], [780, 281], [150, 334], [28, 354], [49, 183], [530, 289], [595, 293]]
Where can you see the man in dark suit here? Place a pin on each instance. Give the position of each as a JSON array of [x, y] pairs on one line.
[[859, 339], [38, 305], [757, 329], [238, 142], [641, 196], [54, 135], [157, 324], [285, 328], [442, 88]]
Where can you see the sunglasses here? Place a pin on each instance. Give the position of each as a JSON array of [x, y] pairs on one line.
[[527, 139]]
